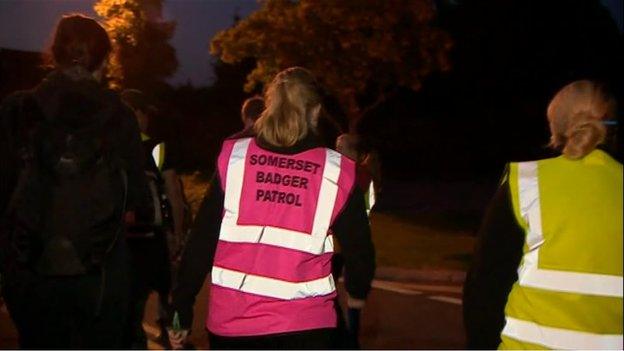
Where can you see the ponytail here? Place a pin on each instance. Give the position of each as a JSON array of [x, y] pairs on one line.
[[290, 101], [576, 115], [583, 135]]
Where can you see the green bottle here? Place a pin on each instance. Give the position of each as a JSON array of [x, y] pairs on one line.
[[176, 322]]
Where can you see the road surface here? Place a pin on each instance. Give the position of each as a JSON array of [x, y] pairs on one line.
[[397, 316]]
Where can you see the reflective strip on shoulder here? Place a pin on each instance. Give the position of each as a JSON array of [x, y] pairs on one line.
[[318, 243], [529, 273], [513, 190], [558, 338], [529, 203], [235, 172], [279, 289], [158, 154], [327, 194]]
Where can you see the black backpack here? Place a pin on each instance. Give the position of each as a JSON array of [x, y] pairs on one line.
[[162, 218], [66, 212]]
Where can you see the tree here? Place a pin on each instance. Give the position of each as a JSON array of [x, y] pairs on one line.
[[358, 49], [143, 57], [509, 59]]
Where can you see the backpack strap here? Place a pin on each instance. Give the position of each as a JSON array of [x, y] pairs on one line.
[[124, 179]]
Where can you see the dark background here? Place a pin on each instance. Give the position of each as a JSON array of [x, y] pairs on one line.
[[509, 58]]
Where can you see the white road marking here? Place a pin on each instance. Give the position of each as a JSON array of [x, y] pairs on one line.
[[430, 287], [415, 289], [394, 288], [453, 300]]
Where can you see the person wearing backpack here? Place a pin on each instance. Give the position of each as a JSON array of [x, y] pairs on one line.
[[153, 245], [72, 175]]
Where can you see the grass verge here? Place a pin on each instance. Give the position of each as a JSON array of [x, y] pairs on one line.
[[400, 240]]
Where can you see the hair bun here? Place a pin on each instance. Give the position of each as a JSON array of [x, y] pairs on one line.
[[584, 133]]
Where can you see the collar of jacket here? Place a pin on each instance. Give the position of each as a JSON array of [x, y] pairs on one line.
[[311, 141]]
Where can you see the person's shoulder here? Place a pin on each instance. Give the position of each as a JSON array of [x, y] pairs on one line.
[[231, 140], [16, 99], [345, 161], [245, 133], [13, 105], [114, 99]]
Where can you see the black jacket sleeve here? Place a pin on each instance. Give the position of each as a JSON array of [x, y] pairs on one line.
[[199, 252], [493, 272], [8, 167], [353, 232], [130, 151]]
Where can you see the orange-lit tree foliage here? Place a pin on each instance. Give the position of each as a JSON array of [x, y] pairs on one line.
[[143, 57], [355, 47]]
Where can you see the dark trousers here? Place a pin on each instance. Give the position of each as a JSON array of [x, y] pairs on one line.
[[316, 339], [68, 312], [345, 339], [151, 271]]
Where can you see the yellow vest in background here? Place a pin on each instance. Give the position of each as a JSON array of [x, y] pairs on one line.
[[569, 289], [158, 152]]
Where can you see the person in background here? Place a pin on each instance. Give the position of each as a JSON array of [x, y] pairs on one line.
[[348, 144], [547, 271], [72, 174], [153, 245], [250, 112], [263, 230]]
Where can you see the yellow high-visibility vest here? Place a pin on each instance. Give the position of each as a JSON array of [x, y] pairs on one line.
[[569, 289], [158, 152]]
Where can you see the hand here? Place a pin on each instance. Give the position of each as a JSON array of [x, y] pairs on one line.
[[177, 338], [174, 243], [130, 217]]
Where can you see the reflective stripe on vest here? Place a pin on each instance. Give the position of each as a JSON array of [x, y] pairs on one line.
[[285, 238], [554, 308], [529, 273], [558, 338], [317, 242], [158, 154], [275, 288], [369, 198]]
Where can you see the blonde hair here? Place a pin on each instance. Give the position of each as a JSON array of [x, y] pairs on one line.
[[575, 116], [289, 115]]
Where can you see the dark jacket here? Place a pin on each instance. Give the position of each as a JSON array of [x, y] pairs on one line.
[[493, 272], [351, 229], [69, 96]]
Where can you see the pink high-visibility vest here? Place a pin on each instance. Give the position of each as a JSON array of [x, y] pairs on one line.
[[272, 267]]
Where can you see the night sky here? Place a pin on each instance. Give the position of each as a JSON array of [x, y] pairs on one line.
[[28, 25]]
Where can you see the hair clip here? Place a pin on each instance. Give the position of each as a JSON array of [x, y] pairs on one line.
[[610, 122]]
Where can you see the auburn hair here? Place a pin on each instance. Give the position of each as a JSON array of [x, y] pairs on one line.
[[576, 115], [289, 115], [252, 108], [80, 41]]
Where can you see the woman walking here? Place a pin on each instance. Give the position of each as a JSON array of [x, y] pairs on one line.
[[72, 173], [548, 266], [263, 229]]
